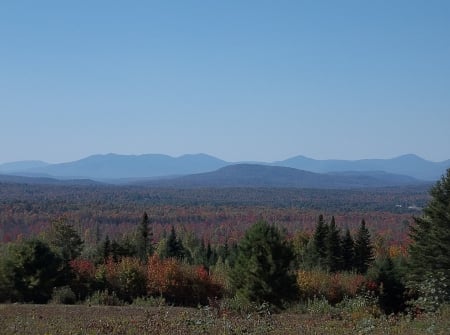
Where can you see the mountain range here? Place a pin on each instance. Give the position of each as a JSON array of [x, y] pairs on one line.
[[205, 170]]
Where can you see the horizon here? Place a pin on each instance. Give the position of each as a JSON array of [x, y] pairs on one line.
[[227, 161], [240, 81]]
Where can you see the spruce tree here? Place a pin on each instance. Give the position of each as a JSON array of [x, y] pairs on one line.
[[391, 298], [320, 242], [363, 249], [430, 235], [348, 251], [173, 246], [144, 237], [333, 247], [262, 269]]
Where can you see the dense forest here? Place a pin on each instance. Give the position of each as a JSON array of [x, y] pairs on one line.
[[213, 214], [117, 245]]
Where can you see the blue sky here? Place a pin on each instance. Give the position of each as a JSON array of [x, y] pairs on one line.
[[240, 80]]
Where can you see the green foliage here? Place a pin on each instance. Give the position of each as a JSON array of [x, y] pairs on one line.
[[363, 249], [430, 235], [31, 271], [391, 295], [348, 251], [431, 293], [63, 295], [172, 246], [104, 298], [65, 240], [333, 258], [262, 269], [144, 237], [320, 240]]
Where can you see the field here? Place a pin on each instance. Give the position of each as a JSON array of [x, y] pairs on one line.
[[84, 319]]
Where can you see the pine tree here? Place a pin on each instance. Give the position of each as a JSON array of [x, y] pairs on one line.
[[333, 247], [262, 269], [348, 252], [430, 235], [363, 249]]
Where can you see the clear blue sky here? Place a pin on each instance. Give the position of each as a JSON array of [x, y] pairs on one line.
[[240, 80]]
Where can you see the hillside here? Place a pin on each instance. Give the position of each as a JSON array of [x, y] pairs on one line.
[[253, 175]]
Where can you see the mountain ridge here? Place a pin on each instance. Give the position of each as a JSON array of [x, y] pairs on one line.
[[104, 167], [254, 175]]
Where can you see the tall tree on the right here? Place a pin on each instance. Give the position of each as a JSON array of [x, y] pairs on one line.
[[363, 256], [430, 234]]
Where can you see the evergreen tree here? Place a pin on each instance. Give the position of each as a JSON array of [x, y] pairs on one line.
[[430, 235], [144, 239], [391, 298], [33, 270], [348, 252], [316, 250], [65, 240], [363, 249], [173, 247], [262, 269], [333, 247], [104, 250]]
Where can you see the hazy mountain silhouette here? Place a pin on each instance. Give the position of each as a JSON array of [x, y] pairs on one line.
[[21, 166], [252, 175], [132, 167], [410, 165], [113, 166]]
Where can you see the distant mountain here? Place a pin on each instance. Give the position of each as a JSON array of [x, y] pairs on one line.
[[122, 169], [113, 166], [252, 175], [410, 165], [21, 166], [11, 179]]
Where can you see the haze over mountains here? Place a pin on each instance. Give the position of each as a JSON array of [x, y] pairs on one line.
[[204, 170]]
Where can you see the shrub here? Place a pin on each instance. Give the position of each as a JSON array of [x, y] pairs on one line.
[[127, 278], [105, 298], [63, 295], [180, 283], [331, 286]]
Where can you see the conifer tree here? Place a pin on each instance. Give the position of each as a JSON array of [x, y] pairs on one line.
[[318, 249], [348, 252], [173, 247], [144, 238], [333, 247], [363, 249], [430, 235], [262, 269]]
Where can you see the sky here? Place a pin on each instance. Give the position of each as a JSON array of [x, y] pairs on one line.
[[239, 80]]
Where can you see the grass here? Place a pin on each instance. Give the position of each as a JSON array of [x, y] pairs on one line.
[[130, 320]]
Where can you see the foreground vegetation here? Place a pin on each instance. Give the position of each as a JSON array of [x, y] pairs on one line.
[[316, 318]]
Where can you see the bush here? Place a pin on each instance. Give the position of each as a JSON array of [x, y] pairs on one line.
[[429, 294], [126, 278], [180, 283], [333, 287], [104, 298], [63, 295]]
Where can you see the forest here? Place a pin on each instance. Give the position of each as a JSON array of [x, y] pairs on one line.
[[239, 250]]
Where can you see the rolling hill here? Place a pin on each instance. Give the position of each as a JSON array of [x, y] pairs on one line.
[[253, 175]]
